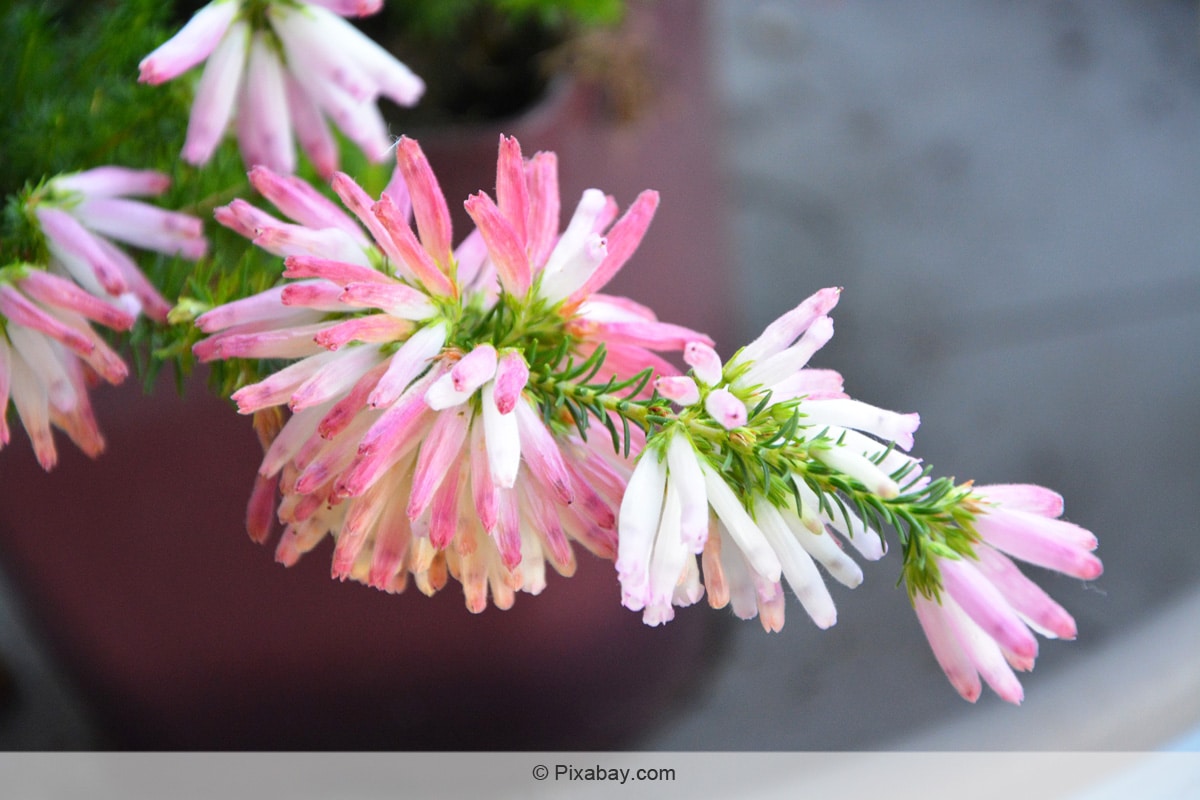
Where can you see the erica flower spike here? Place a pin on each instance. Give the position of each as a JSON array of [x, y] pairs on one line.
[[475, 410]]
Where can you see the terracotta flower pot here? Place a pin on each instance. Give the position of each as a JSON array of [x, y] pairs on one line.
[[182, 633]]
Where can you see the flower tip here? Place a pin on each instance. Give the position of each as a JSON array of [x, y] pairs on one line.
[[826, 621], [887, 490], [679, 389], [726, 409], [969, 692], [149, 72], [658, 614], [1013, 694]]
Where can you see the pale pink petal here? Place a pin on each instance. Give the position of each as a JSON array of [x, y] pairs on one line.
[[623, 239], [378, 328], [1049, 543], [474, 369], [428, 203], [408, 253], [679, 389], [47, 365], [191, 45], [574, 270], [264, 126], [1026, 598], [397, 299], [704, 361], [512, 195], [512, 262], [438, 458], [985, 654], [79, 250], [300, 202], [309, 37], [483, 489], [350, 8], [295, 240], [666, 561], [339, 272], [512, 374], [817, 384], [542, 454], [317, 295], [950, 655], [507, 533], [112, 181], [30, 399], [1023, 497], [243, 218], [151, 303], [277, 389], [18, 309], [987, 607], [313, 133], [726, 409], [786, 329], [216, 94], [651, 335], [444, 518], [285, 343], [144, 226], [61, 293], [775, 368], [542, 179], [342, 413], [580, 229], [407, 363], [266, 306], [396, 433]]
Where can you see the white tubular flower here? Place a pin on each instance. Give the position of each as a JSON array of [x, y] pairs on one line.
[[683, 503], [290, 67]]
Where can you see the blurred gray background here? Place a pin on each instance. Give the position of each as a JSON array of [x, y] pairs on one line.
[[1010, 194]]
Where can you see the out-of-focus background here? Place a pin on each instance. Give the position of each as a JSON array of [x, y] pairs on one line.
[[1010, 195]]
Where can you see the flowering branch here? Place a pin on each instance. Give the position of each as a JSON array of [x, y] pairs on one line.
[[428, 404]]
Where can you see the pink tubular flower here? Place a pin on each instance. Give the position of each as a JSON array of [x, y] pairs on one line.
[[305, 64], [982, 624], [49, 353], [567, 271], [79, 213], [415, 437]]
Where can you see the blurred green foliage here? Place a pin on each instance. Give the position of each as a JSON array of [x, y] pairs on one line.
[[70, 100]]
